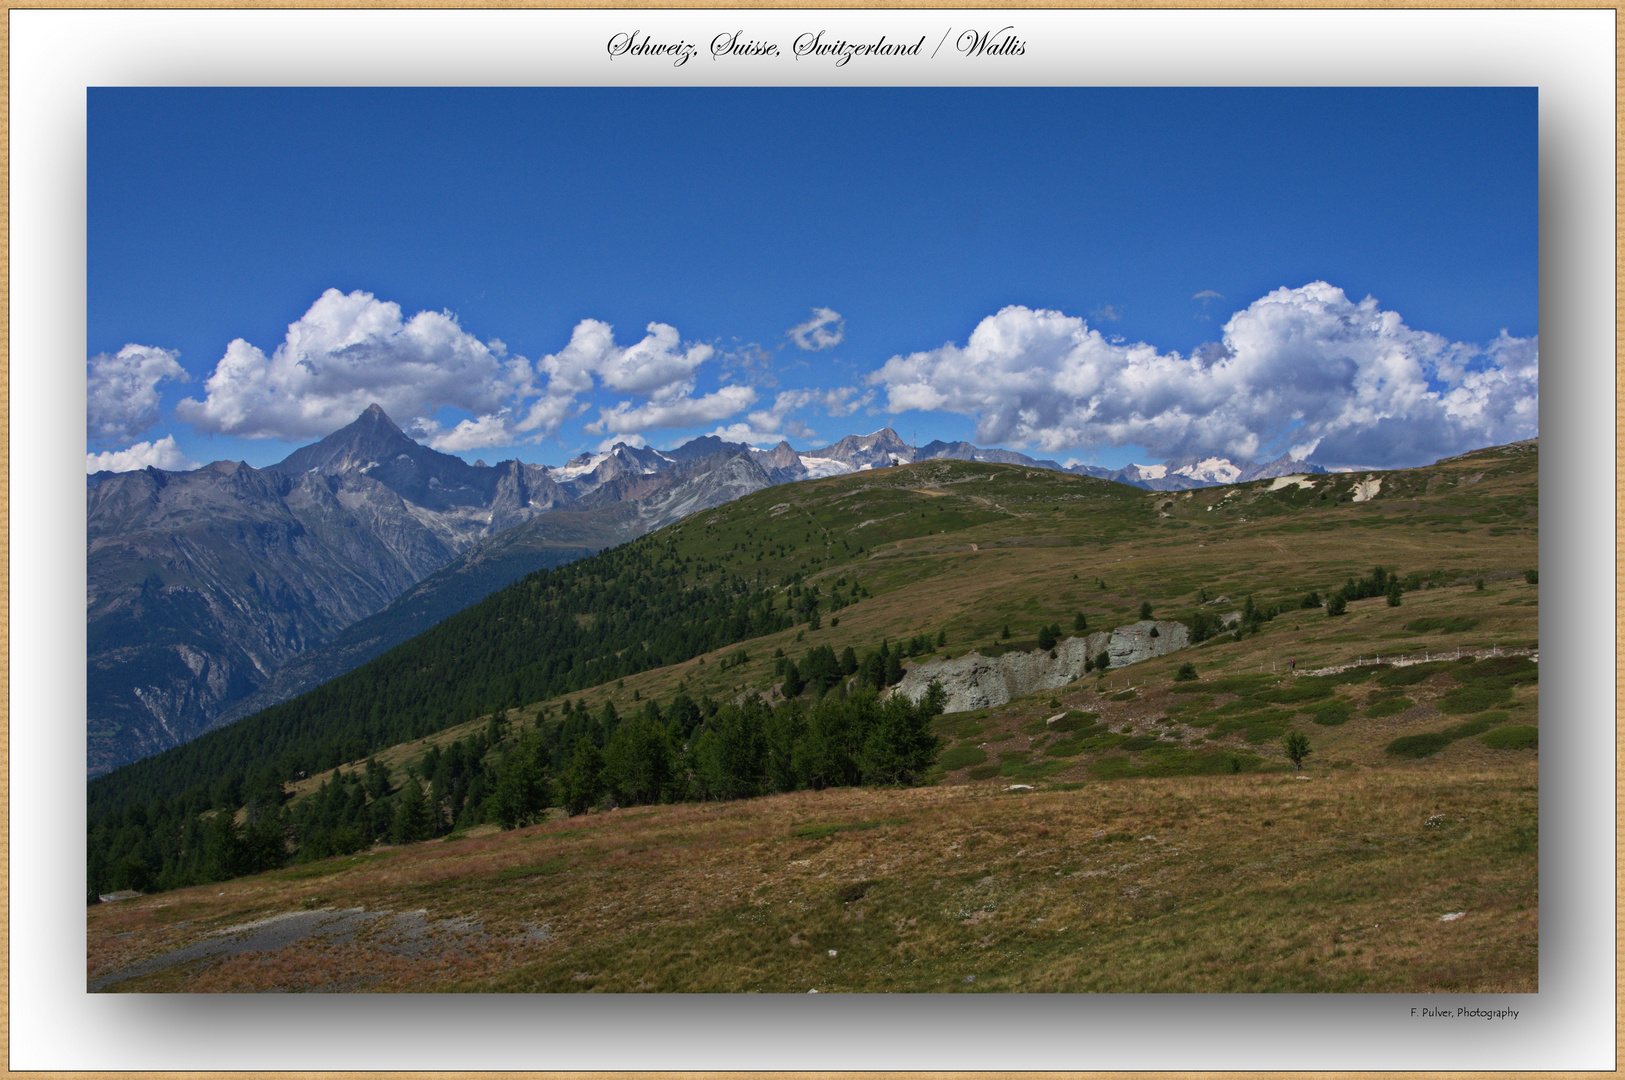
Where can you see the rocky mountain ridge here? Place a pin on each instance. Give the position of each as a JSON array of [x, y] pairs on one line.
[[204, 585]]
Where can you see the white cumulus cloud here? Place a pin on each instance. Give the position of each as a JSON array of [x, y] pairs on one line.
[[747, 433], [763, 427], [659, 367], [346, 352], [350, 350], [160, 454], [121, 390], [489, 430], [814, 334], [1296, 366], [631, 439], [673, 411]]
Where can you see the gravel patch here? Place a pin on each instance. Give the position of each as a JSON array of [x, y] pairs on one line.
[[262, 935]]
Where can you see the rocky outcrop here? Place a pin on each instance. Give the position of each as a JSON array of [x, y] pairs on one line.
[[975, 681]]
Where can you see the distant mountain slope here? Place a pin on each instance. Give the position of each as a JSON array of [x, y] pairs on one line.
[[1184, 474], [202, 585], [964, 451], [968, 547], [539, 544]]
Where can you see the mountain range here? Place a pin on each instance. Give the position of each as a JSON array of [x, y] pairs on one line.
[[220, 591]]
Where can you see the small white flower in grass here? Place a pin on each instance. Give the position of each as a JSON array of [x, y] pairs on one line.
[[832, 952]]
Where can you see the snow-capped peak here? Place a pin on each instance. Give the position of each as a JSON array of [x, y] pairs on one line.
[[580, 465], [1213, 470], [821, 466]]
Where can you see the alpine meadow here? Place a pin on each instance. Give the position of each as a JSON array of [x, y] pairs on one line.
[[672, 535], [1278, 735]]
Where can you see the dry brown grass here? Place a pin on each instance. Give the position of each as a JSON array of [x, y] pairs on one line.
[[1234, 883], [1251, 882]]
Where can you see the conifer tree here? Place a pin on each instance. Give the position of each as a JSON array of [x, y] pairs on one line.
[[411, 822], [522, 793], [793, 684], [583, 782]]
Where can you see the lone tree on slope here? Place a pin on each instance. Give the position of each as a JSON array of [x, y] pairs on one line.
[[1296, 745]]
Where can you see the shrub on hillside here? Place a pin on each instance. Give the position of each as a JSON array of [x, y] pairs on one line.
[[1388, 706], [1437, 624], [1074, 720], [1331, 714], [1419, 746], [960, 756], [1204, 625], [1517, 737], [1474, 698]]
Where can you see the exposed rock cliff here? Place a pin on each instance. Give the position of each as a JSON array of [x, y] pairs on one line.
[[975, 681]]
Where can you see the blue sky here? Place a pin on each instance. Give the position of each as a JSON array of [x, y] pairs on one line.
[[1091, 275]]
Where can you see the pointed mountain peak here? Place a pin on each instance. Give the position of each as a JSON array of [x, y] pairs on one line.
[[877, 448], [375, 414], [781, 456], [371, 437]]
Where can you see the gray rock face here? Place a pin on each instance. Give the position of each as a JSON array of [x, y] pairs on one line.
[[202, 585], [496, 561], [964, 451], [878, 449], [979, 682]]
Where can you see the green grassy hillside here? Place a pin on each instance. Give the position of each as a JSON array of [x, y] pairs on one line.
[[956, 552]]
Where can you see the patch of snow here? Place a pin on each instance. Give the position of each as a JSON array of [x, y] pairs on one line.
[[821, 466], [1280, 482], [1151, 472], [1367, 488], [1452, 917], [584, 464], [1217, 470], [1054, 718]]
